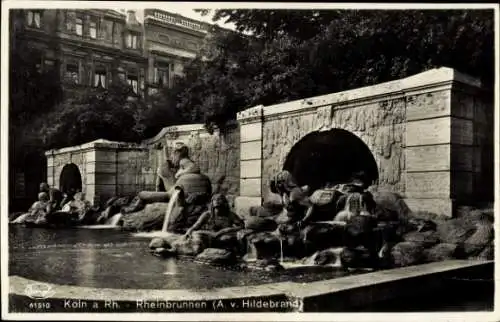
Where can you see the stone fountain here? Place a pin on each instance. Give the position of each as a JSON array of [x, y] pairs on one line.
[[409, 240]]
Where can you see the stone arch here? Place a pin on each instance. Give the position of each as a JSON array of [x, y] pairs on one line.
[[330, 156], [70, 178]]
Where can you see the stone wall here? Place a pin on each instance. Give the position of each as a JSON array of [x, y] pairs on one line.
[[380, 125], [107, 168], [118, 168], [430, 134], [216, 154]]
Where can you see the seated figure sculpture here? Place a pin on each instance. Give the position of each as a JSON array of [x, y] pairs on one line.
[[219, 222], [294, 197], [37, 212], [55, 196], [215, 228], [181, 162], [181, 174]]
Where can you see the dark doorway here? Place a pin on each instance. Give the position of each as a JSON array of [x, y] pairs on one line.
[[330, 157], [70, 179]]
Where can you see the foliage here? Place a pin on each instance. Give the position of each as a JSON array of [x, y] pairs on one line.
[[303, 53], [113, 114], [162, 110], [32, 92]]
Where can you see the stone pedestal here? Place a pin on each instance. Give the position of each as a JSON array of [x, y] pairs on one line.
[[441, 142], [250, 122], [107, 168]]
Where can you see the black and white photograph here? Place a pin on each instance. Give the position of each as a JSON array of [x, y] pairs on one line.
[[248, 161]]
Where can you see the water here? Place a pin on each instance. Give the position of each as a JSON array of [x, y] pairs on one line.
[[171, 203], [113, 221], [115, 259], [281, 251]]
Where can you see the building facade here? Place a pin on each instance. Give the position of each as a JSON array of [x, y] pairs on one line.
[[93, 47]]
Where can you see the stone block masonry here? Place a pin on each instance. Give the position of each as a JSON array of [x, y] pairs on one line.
[[430, 134], [117, 168]]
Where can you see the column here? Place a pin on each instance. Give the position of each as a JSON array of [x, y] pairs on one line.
[[439, 145], [250, 122], [50, 168], [100, 176]]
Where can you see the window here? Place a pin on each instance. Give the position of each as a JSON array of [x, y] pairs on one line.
[[131, 41], [100, 77], [79, 26], [34, 19], [121, 76], [161, 76], [132, 81], [108, 30], [72, 73], [93, 29]]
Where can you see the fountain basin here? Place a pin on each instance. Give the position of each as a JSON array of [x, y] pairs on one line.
[[105, 265], [345, 294]]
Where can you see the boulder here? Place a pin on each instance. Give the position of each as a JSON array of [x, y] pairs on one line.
[[157, 243], [216, 256], [266, 211], [407, 253], [135, 205], [488, 253], [440, 252], [244, 234], [199, 241], [149, 218], [389, 231], [392, 202], [289, 228], [358, 257], [230, 242], [361, 231], [260, 224], [318, 236], [425, 239], [118, 202], [182, 218], [265, 244], [59, 219], [384, 214], [104, 215], [110, 201], [479, 240], [422, 225], [453, 231], [268, 264], [326, 257], [476, 216]]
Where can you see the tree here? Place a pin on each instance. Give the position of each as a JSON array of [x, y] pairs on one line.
[[303, 53], [115, 113], [32, 92], [163, 110]]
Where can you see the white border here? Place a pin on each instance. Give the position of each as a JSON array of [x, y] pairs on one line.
[[229, 316]]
